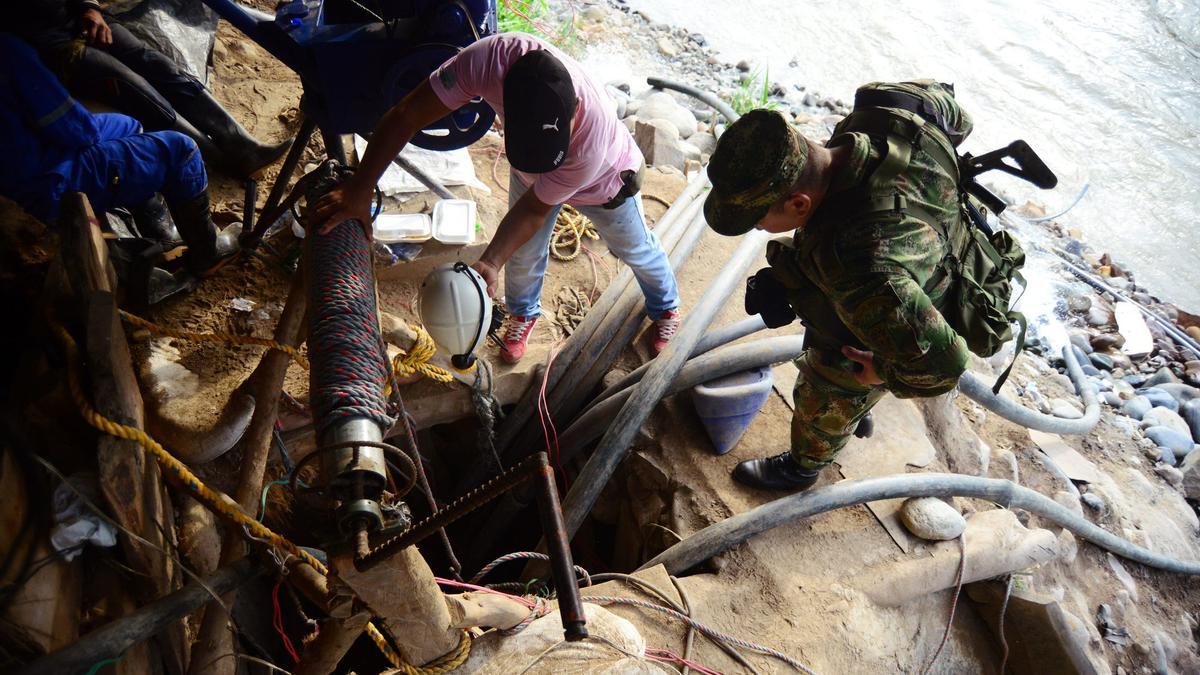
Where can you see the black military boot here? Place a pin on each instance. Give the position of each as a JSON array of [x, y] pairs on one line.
[[153, 222], [780, 472], [208, 248], [240, 153]]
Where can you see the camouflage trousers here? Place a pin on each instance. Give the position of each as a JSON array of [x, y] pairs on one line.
[[829, 404]]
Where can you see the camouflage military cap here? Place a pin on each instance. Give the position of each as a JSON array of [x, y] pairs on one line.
[[757, 161]]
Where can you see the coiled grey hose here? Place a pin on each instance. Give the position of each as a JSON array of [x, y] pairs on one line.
[[722, 536], [977, 391]]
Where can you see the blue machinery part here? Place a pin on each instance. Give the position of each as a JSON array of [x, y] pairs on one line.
[[358, 58]]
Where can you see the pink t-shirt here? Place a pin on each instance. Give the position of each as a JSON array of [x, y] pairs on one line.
[[601, 147]]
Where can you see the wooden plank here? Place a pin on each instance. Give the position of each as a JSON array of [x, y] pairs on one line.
[[899, 441]]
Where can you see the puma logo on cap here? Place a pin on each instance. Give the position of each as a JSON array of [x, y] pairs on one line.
[[554, 126]]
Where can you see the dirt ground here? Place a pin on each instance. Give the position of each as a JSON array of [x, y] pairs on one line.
[[791, 588]]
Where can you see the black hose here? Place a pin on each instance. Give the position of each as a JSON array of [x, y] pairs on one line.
[[698, 94], [423, 178], [722, 536], [981, 393], [646, 395], [726, 361]]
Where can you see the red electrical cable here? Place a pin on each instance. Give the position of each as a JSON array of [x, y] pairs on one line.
[[484, 589], [547, 420], [668, 656], [277, 621]]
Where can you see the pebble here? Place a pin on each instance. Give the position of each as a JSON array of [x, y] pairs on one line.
[[1098, 317], [1093, 501], [1137, 407], [1123, 389], [662, 105], [1112, 399], [1101, 361], [1079, 304], [1165, 417], [1166, 456], [1180, 392], [1063, 408], [667, 48], [1191, 475], [1135, 379], [1180, 444], [1163, 376], [1173, 476], [1193, 332], [1191, 416], [1103, 342], [1089, 369], [1159, 397], [744, 66], [931, 518], [1063, 381]]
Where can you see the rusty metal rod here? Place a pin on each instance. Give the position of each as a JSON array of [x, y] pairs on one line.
[[562, 567]]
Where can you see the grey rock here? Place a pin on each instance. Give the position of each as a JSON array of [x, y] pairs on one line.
[[1119, 283], [698, 39], [1081, 341], [1068, 501], [1079, 303], [667, 47], [1093, 501], [1137, 407], [744, 65], [1166, 456], [1159, 397], [1190, 468], [1180, 392], [1163, 376], [1101, 361], [1089, 369], [1135, 380], [1099, 317], [661, 105], [659, 143], [1166, 437], [1063, 381], [1062, 408], [706, 143], [1191, 415], [1173, 476], [1165, 417], [1106, 341], [931, 518], [1123, 389], [1080, 355], [690, 152], [1112, 399]]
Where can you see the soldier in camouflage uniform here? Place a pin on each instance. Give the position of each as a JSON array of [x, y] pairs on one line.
[[875, 212]]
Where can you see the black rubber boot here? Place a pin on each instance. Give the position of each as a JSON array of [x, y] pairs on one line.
[[866, 426], [241, 154], [208, 150], [780, 472], [153, 222], [208, 248], [144, 283]]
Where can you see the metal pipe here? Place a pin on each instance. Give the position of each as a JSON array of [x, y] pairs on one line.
[[251, 237], [663, 369], [716, 103], [717, 338], [112, 639], [562, 567], [423, 178], [981, 393], [722, 536]]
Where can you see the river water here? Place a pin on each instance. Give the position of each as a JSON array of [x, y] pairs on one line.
[[1106, 91]]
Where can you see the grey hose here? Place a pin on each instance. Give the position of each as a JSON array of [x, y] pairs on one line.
[[423, 178], [722, 536], [1060, 214], [721, 336], [647, 393], [982, 394], [734, 359], [698, 94]]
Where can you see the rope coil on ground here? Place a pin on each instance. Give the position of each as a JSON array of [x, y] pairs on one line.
[[219, 502], [570, 228], [226, 338]]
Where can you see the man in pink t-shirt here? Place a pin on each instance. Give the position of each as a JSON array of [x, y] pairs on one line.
[[565, 146]]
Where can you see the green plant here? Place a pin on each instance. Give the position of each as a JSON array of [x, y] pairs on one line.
[[750, 94], [534, 17]]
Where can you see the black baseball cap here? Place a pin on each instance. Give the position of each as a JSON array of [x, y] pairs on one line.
[[539, 103]]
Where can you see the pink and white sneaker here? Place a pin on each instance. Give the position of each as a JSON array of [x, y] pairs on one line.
[[665, 328], [516, 337]]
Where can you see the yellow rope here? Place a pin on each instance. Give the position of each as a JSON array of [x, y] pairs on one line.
[[570, 228], [215, 337], [219, 502], [416, 360], [444, 663]]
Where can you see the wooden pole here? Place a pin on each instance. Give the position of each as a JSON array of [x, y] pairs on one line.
[[214, 644]]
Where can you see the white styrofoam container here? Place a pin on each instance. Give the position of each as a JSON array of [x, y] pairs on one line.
[[454, 221], [395, 228]]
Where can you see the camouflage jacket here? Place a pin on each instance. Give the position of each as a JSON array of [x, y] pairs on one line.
[[882, 276]]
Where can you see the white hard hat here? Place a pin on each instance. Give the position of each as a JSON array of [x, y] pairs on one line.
[[456, 311]]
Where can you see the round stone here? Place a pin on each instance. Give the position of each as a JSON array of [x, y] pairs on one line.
[[931, 518]]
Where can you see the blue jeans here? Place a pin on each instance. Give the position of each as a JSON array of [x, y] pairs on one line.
[[623, 230]]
